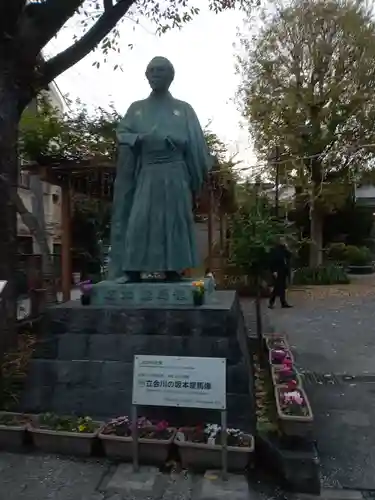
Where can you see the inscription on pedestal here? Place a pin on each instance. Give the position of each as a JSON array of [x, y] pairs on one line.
[[147, 293]]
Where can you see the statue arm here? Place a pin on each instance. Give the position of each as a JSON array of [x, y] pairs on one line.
[[198, 158]]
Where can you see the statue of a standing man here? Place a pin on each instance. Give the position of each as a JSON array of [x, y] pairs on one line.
[[163, 160]]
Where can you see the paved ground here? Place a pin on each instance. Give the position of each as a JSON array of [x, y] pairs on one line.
[[43, 477], [333, 332]]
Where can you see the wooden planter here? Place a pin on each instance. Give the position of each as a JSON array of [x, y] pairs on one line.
[[12, 437], [150, 451], [276, 368], [204, 456], [297, 426], [291, 357], [62, 442]]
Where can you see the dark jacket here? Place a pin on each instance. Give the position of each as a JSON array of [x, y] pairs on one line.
[[280, 260]]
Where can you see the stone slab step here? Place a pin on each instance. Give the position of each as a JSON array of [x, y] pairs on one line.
[[211, 320], [151, 484], [113, 347]]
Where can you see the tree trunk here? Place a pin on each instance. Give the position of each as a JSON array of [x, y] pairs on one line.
[[9, 118], [316, 230], [37, 227]]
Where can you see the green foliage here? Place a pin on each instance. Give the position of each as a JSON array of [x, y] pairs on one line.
[[254, 231], [14, 368], [307, 86], [47, 136], [81, 425], [321, 275], [349, 254], [336, 252], [357, 256]]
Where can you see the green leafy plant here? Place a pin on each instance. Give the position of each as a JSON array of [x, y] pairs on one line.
[[13, 370], [254, 233], [358, 256], [321, 275], [336, 252], [67, 424], [13, 420], [350, 255]]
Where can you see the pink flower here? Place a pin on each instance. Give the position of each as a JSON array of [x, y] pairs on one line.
[[162, 425], [293, 397]]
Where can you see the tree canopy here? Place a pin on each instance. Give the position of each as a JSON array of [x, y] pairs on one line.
[[307, 87]]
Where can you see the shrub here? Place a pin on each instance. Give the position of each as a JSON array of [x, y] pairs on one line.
[[358, 256], [336, 252], [350, 255], [322, 275]]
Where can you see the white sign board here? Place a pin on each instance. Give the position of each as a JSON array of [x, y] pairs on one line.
[[179, 381]]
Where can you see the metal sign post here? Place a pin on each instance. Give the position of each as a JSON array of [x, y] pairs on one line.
[[134, 424], [224, 445]]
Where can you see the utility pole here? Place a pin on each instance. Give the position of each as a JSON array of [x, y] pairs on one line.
[[277, 180]]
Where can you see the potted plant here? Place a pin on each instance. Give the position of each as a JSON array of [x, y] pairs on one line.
[[279, 357], [12, 430], [198, 292], [286, 375], [200, 447], [154, 440], [86, 288], [294, 411], [66, 435]]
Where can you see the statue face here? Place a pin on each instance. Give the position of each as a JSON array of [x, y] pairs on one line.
[[160, 74]]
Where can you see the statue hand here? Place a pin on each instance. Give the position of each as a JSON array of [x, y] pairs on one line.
[[152, 135]]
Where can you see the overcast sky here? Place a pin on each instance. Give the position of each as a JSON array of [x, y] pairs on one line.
[[203, 56]]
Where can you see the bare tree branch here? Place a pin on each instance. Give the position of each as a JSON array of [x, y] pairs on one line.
[[61, 62], [40, 22]]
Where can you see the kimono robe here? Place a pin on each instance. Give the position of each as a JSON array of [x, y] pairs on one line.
[[163, 160]]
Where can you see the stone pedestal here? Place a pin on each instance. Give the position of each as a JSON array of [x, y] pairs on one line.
[[149, 293], [83, 363]]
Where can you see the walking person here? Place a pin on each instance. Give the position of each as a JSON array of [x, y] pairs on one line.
[[280, 258]]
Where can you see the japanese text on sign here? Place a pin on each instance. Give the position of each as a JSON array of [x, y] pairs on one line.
[[179, 381]]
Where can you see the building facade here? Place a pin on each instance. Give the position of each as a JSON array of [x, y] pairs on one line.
[[29, 189]]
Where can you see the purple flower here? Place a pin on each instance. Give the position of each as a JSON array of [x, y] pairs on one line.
[[85, 286]]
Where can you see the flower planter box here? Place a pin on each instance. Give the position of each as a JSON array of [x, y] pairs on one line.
[[63, 442], [270, 338], [204, 456], [150, 451], [298, 425], [277, 368], [289, 356], [12, 437]]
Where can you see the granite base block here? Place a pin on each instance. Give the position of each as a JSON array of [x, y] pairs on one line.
[[150, 293], [221, 318], [83, 362]]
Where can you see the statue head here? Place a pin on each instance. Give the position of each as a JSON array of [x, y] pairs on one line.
[[160, 74]]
